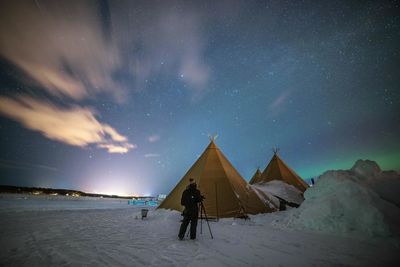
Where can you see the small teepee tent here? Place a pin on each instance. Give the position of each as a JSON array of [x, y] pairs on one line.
[[226, 193], [256, 177], [278, 170]]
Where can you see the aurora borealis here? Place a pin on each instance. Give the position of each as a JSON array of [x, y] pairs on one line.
[[120, 96]]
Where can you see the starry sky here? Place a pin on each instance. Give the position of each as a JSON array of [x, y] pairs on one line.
[[120, 96]]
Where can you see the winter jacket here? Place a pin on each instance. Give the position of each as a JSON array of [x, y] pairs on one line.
[[190, 199]]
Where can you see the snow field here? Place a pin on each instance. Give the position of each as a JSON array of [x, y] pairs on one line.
[[114, 237], [349, 218]]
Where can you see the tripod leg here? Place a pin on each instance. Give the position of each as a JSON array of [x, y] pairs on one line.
[[209, 229], [201, 220], [205, 214]]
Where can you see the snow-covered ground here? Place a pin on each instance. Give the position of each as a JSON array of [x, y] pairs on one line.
[[116, 236], [343, 221], [28, 202]]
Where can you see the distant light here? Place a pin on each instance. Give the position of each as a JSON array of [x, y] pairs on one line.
[[161, 196], [112, 193]]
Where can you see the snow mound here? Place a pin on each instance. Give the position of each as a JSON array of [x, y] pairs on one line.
[[365, 169], [387, 186], [282, 190], [385, 183], [343, 202]]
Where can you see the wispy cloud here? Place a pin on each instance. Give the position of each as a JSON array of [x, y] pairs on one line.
[[279, 100], [24, 165], [169, 42], [66, 55], [77, 49], [121, 148], [75, 126], [153, 138], [152, 155]]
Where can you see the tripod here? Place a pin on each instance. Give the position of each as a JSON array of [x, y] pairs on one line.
[[203, 209]]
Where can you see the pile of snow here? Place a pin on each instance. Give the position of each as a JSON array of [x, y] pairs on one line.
[[343, 202], [387, 186], [366, 169], [385, 183], [282, 190]]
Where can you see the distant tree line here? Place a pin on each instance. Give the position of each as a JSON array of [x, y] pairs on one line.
[[52, 191]]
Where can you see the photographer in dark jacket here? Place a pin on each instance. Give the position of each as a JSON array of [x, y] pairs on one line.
[[191, 198]]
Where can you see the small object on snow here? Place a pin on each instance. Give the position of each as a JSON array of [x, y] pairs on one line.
[[144, 213], [283, 203]]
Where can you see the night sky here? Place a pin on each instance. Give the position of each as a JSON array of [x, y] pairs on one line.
[[120, 97]]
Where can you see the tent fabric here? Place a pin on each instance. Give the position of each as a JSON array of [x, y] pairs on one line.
[[278, 170], [256, 177], [226, 193]]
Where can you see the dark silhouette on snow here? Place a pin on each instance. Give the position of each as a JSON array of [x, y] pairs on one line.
[[191, 198]]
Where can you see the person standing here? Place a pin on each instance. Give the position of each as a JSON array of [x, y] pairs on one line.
[[191, 198]]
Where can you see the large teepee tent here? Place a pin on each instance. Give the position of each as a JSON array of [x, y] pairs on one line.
[[278, 170], [256, 177], [226, 193]]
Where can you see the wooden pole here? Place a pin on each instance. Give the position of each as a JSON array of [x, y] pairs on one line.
[[216, 199]]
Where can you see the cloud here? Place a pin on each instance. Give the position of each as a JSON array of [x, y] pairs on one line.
[[66, 55], [168, 41], [152, 155], [24, 165], [279, 100], [78, 49], [123, 148], [75, 126], [153, 138]]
